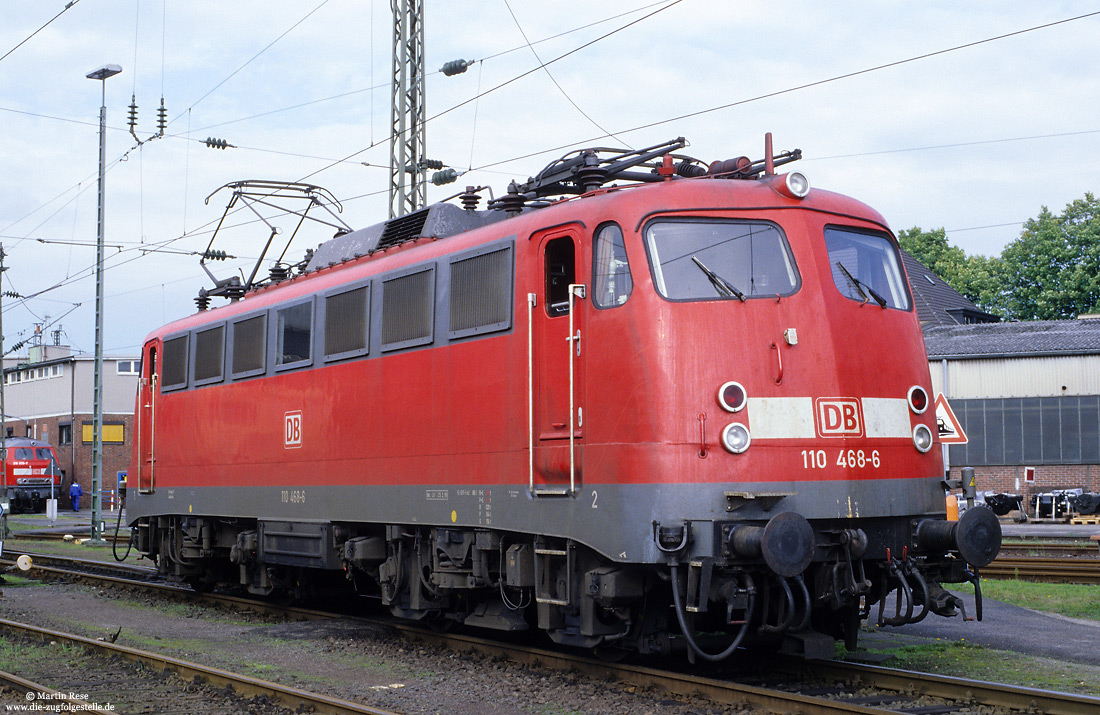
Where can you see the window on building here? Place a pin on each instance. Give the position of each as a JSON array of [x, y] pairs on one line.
[[128, 367], [57, 370], [294, 334], [610, 270], [113, 432], [407, 310], [346, 321], [481, 293], [65, 433]]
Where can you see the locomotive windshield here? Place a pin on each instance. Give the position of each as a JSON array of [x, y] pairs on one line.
[[865, 267], [712, 259]]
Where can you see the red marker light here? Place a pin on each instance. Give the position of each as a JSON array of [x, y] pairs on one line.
[[732, 396]]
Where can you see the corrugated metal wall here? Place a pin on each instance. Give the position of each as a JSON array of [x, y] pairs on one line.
[[1070, 376]]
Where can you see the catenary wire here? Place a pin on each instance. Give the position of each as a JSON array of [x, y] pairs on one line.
[[68, 6]]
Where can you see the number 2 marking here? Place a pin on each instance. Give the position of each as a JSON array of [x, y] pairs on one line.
[[594, 497]]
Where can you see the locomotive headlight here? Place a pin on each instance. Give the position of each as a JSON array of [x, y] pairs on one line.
[[736, 438], [732, 396], [922, 438], [918, 399], [797, 183]]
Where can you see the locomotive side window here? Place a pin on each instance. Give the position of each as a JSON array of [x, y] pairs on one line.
[[866, 268], [292, 336], [610, 269], [407, 309], [249, 346], [175, 363], [346, 321], [560, 272], [209, 355], [715, 259], [481, 293]]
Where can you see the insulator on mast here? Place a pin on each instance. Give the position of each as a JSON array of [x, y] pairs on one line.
[[162, 118], [446, 176], [450, 69]]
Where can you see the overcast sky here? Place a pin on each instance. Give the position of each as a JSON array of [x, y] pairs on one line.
[[969, 116]]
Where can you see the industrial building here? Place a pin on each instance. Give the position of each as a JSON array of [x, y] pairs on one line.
[[49, 395]]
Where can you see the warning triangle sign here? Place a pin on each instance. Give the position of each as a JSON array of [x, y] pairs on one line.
[[951, 431]]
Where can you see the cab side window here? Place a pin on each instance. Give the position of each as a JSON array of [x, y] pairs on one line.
[[560, 273], [610, 268]]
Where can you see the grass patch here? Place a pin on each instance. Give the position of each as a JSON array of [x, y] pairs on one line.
[[12, 581], [74, 550], [1067, 599], [19, 656], [960, 658], [182, 610]]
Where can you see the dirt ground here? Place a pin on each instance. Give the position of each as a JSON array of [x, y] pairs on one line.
[[348, 659]]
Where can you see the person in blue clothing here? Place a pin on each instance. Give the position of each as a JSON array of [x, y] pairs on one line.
[[75, 492]]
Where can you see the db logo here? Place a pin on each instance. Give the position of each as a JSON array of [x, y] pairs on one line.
[[839, 417], [292, 432]]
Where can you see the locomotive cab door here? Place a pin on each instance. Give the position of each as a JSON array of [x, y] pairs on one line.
[[148, 388], [556, 324]]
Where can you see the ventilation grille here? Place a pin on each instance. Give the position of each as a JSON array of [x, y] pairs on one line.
[[481, 293], [407, 310], [403, 228], [175, 362], [208, 354], [248, 344], [346, 322]]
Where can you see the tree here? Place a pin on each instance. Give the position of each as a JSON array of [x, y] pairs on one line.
[[977, 277], [1053, 268], [1051, 272]]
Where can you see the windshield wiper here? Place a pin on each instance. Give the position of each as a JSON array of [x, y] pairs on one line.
[[724, 287], [860, 285]]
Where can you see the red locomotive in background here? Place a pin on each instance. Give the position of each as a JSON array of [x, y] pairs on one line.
[[695, 403], [33, 475]]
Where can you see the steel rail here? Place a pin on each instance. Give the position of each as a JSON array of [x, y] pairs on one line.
[[723, 692], [902, 682], [184, 591], [961, 689], [1047, 569], [53, 699], [242, 684]]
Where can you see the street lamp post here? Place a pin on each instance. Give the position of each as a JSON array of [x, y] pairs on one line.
[[101, 74]]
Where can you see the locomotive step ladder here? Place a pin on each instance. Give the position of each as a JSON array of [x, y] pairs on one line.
[[549, 559]]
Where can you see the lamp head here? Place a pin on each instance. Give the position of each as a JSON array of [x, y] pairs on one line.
[[104, 72]]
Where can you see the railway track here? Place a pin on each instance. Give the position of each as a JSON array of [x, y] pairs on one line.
[[101, 681], [818, 687], [1045, 569]]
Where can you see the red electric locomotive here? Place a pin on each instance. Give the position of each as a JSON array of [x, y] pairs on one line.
[[697, 403], [33, 475]]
